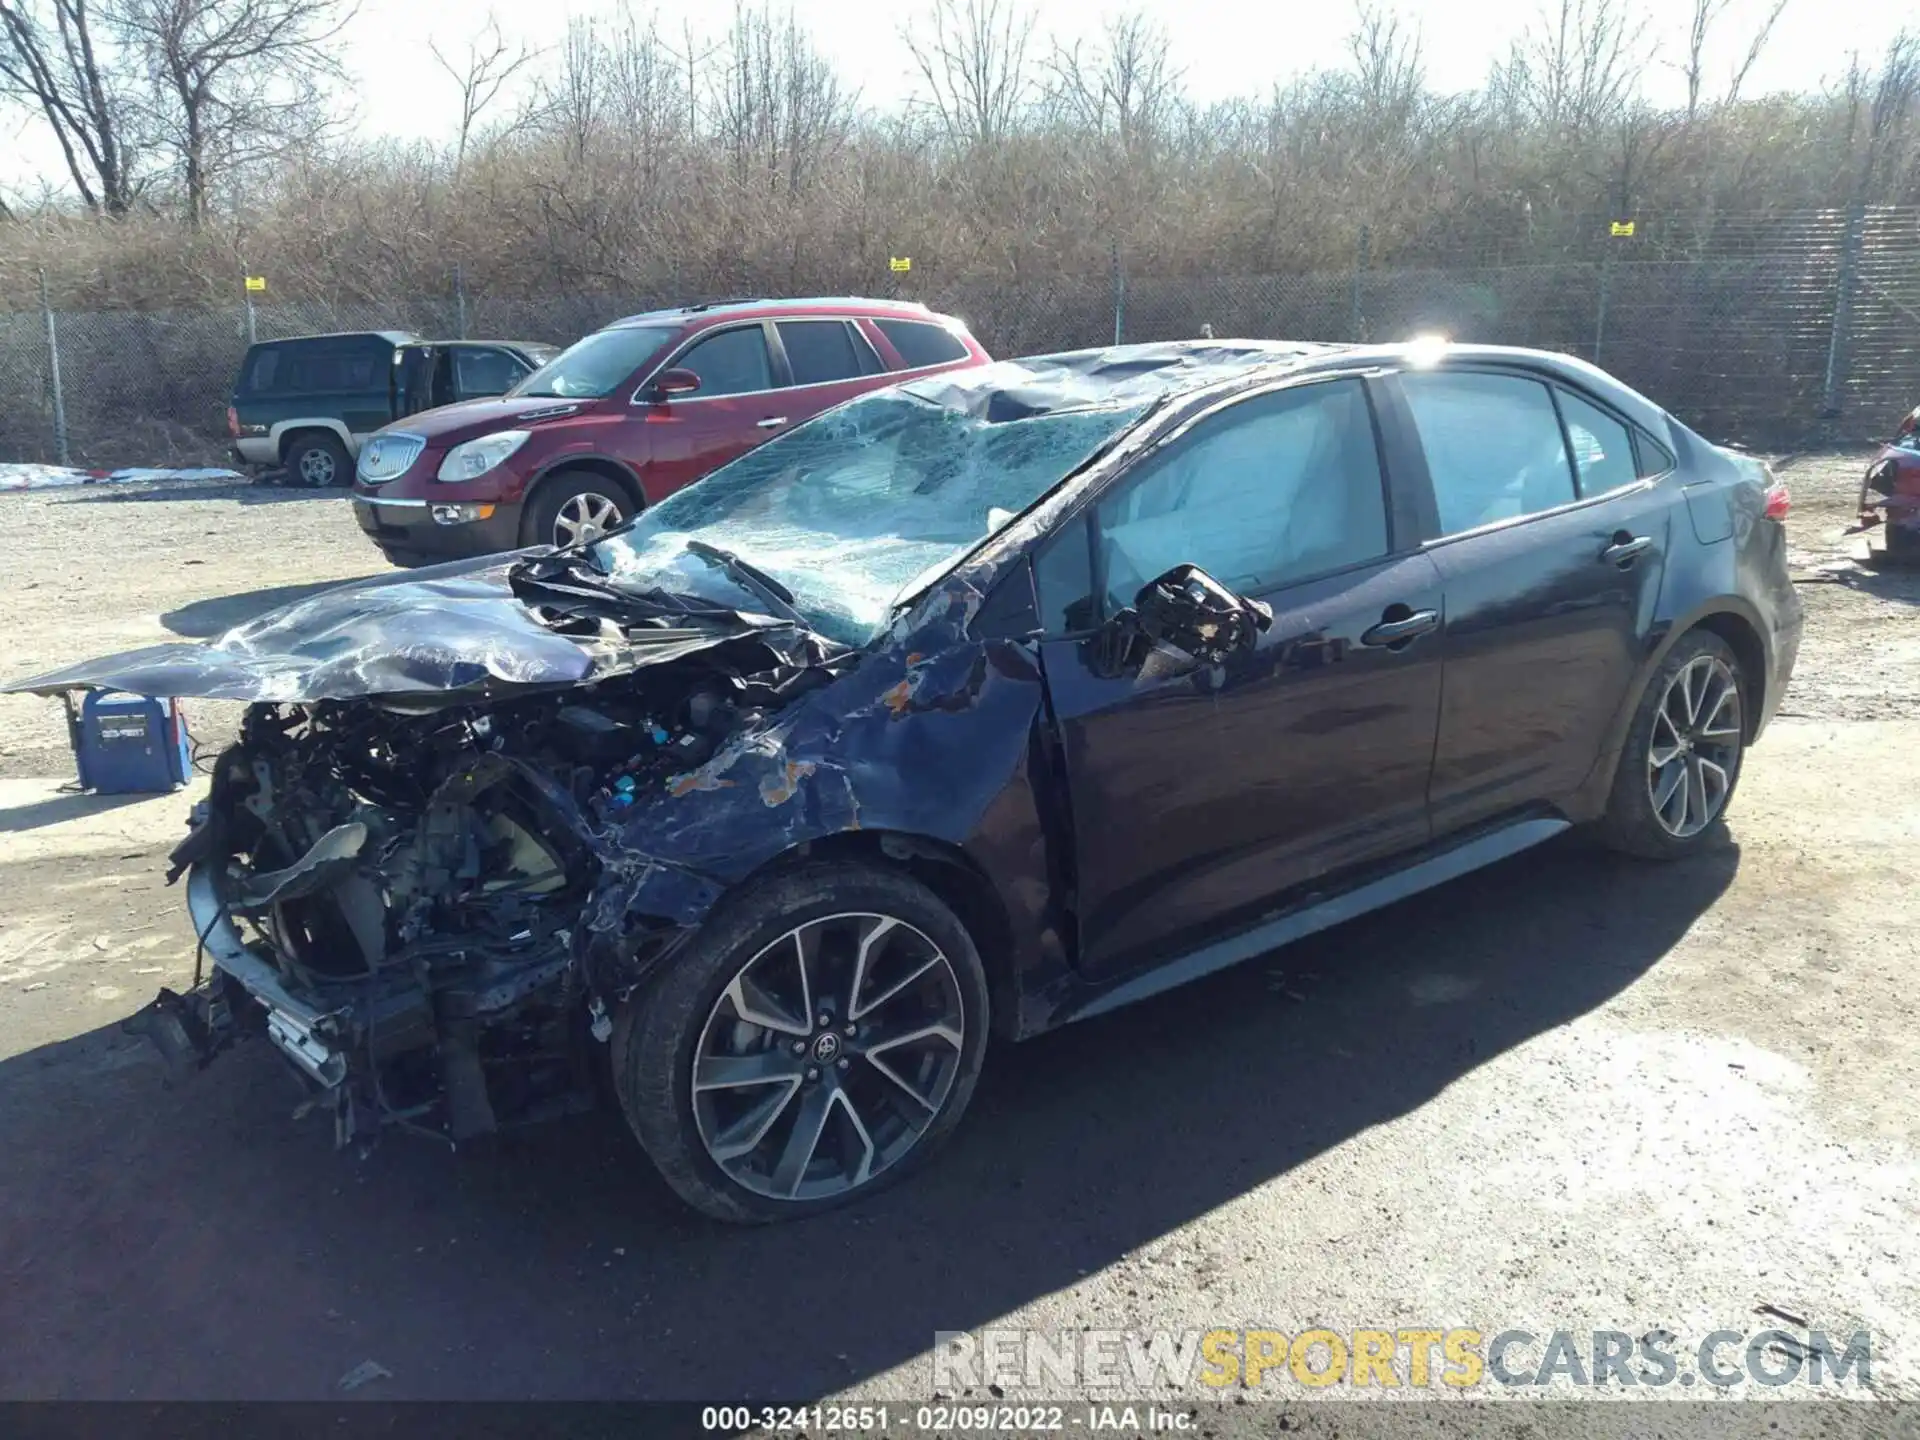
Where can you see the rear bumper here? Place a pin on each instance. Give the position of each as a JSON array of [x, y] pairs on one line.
[[407, 533]]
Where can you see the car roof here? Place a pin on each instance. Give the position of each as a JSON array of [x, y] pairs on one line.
[[392, 337], [505, 344], [1130, 374], [841, 305]]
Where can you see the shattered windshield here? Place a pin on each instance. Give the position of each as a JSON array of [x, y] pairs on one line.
[[848, 511], [592, 367]]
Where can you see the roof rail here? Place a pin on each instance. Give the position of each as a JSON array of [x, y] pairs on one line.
[[734, 300]]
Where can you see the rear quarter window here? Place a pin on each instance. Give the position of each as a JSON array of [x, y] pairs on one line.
[[259, 369], [921, 343]]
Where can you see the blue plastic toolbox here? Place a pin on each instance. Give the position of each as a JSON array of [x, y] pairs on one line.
[[129, 744]]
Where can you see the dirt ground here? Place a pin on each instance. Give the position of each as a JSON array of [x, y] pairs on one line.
[[1568, 1092]]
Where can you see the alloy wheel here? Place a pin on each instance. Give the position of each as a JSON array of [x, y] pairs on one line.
[[316, 467], [827, 1056], [1694, 753], [584, 517]]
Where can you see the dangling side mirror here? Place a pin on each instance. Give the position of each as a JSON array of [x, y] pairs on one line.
[[1185, 610]]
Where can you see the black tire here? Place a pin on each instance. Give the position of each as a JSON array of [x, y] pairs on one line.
[[316, 460], [660, 1029], [567, 492], [1632, 824]]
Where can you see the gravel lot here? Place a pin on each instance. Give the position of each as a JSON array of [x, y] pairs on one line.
[[1569, 1092]]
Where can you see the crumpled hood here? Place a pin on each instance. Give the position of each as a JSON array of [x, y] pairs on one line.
[[464, 630]]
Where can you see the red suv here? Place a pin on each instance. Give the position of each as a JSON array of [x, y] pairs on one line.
[[630, 414]]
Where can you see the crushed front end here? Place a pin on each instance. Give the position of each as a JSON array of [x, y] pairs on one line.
[[424, 903]]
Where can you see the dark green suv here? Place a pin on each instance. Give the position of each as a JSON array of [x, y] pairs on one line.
[[301, 406]]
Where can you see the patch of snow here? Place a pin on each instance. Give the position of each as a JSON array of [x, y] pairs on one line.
[[49, 477]]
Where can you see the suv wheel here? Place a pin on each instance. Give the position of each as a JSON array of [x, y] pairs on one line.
[[575, 507], [316, 459], [1682, 758], [820, 1037]]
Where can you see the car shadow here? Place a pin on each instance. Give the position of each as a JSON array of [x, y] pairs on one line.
[[203, 619], [247, 492], [186, 1240], [57, 809]]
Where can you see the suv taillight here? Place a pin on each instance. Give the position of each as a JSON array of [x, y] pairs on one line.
[[233, 422], [1778, 500]]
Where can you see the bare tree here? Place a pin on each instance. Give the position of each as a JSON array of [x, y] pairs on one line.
[[233, 81], [1706, 14], [972, 59], [52, 61], [1881, 108], [778, 109], [491, 62], [1388, 66], [1123, 85], [1576, 69]]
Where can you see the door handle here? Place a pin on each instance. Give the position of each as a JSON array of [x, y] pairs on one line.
[[1625, 549], [771, 423], [1398, 625]]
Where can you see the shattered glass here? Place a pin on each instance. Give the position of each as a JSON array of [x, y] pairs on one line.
[[850, 511]]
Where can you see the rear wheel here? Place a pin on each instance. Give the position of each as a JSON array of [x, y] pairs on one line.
[[820, 1037], [575, 507], [317, 459], [1682, 758]]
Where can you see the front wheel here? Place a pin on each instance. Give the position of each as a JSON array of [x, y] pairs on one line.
[[575, 508], [820, 1037], [1682, 758]]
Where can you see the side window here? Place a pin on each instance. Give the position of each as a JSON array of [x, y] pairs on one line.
[[478, 371], [1272, 490], [1493, 446], [870, 361], [819, 351], [334, 367], [732, 362], [1655, 457], [1063, 580], [262, 371], [1602, 446], [921, 342]]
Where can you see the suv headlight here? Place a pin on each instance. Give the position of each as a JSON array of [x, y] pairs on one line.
[[474, 458]]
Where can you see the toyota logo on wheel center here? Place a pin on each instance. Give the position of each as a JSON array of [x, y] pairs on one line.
[[826, 1047]]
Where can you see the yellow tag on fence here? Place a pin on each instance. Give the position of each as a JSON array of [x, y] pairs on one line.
[[1623, 228], [900, 264], [256, 284]]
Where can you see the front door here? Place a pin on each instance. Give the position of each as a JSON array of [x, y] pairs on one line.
[[736, 407], [1552, 563], [1201, 796]]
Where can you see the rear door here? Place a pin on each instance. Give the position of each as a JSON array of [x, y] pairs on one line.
[[1551, 547], [737, 406], [826, 361], [1197, 797]]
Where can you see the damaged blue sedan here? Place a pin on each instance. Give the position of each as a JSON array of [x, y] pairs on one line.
[[972, 707]]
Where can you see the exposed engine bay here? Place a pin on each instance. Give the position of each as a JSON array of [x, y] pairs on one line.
[[414, 871]]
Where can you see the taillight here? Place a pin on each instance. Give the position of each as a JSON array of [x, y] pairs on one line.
[[233, 422], [1778, 501]]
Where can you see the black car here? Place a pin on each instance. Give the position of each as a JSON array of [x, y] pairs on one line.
[[975, 706], [302, 406]]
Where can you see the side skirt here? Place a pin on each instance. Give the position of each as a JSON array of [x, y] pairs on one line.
[[1457, 859]]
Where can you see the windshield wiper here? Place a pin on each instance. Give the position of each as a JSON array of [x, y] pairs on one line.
[[748, 575]]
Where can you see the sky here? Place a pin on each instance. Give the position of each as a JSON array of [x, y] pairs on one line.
[[1223, 47]]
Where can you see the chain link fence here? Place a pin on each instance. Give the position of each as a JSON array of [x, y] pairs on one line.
[[1798, 333]]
